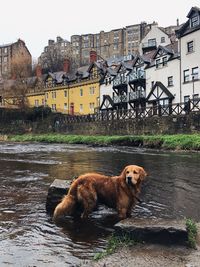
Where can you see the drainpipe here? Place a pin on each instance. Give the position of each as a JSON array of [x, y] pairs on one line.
[[180, 71]]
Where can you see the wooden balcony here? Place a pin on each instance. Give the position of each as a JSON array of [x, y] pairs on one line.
[[120, 99], [138, 95], [120, 82], [135, 76]]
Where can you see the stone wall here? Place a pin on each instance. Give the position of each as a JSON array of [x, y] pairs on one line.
[[151, 126]]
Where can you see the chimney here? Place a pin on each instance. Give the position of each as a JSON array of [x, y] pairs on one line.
[[177, 22], [38, 71], [66, 65], [93, 56], [50, 42]]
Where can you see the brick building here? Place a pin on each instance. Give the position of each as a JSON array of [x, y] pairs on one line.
[[8, 53]]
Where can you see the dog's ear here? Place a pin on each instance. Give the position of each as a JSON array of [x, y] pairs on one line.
[[143, 174], [123, 174]]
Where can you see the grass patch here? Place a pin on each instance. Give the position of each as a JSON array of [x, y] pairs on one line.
[[115, 242], [192, 233], [172, 142]]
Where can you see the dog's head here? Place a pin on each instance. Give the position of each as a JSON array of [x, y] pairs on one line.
[[134, 175]]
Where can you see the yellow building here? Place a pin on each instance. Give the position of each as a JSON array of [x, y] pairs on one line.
[[36, 99], [77, 95]]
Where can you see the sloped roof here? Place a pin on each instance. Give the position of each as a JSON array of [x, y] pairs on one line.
[[193, 9], [107, 101], [163, 88], [185, 28]]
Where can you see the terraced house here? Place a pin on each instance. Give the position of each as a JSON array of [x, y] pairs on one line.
[[161, 76], [75, 94]]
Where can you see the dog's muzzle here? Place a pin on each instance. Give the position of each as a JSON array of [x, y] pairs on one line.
[[129, 180]]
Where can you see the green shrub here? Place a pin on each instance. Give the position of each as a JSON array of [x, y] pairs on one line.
[[192, 233]]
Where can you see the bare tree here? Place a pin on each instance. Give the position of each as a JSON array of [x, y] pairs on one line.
[[15, 90], [53, 58]]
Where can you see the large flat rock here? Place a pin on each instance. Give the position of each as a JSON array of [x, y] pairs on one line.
[[161, 231], [57, 190]]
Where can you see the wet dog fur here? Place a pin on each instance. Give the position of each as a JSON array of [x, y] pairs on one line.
[[88, 190]]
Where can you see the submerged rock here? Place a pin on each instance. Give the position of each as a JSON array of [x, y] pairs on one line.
[[57, 190]]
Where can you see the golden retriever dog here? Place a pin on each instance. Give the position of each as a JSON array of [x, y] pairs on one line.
[[89, 190]]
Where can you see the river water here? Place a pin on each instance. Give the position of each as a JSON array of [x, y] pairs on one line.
[[28, 237]]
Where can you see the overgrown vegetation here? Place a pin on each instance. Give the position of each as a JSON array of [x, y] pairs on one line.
[[192, 233], [173, 142], [115, 242]]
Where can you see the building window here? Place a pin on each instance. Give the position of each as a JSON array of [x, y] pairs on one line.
[[115, 46], [186, 76], [5, 59], [91, 106], [65, 106], [46, 95], [53, 94], [81, 107], [196, 98], [5, 50], [186, 98], [36, 103], [152, 42], [157, 63], [195, 73], [164, 61], [53, 107], [81, 92], [162, 40], [170, 81], [194, 21], [65, 93], [190, 47], [92, 90]]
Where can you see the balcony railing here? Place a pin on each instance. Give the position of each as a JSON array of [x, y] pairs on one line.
[[135, 75], [120, 99], [137, 95], [149, 44], [120, 80], [130, 97]]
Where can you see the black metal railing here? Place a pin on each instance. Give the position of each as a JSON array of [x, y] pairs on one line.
[[145, 112]]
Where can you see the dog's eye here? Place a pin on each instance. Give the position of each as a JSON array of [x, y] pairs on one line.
[[127, 172], [135, 172]]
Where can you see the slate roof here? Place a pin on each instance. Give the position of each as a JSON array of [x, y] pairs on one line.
[[186, 29]]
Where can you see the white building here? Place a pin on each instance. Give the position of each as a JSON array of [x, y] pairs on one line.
[[163, 76], [155, 37], [189, 46]]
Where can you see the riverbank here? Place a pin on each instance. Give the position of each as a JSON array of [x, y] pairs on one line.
[[171, 142], [146, 254]]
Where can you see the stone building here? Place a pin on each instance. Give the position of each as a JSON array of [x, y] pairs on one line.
[[8, 52], [54, 55]]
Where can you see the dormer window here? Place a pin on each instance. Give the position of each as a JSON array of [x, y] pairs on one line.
[[194, 21]]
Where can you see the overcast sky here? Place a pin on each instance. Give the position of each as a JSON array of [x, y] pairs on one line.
[[36, 21]]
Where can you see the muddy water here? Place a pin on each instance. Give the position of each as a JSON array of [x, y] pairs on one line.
[[28, 237]]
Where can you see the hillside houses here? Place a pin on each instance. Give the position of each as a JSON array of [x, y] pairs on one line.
[[165, 74]]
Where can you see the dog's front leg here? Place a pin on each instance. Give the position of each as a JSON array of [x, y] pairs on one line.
[[122, 213]]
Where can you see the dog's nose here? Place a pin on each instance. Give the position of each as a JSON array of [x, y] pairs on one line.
[[129, 178]]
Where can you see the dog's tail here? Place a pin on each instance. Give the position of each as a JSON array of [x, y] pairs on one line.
[[68, 204], [65, 207]]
